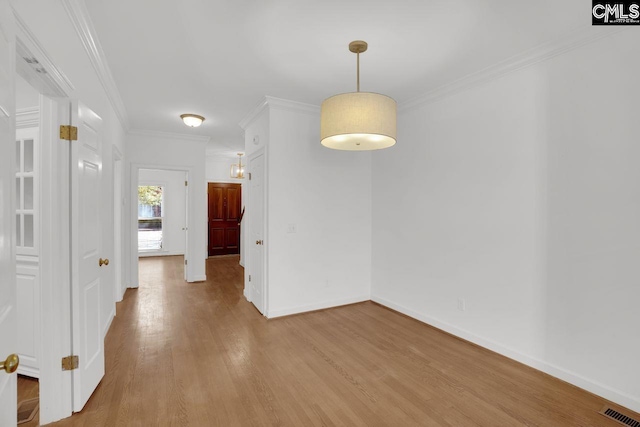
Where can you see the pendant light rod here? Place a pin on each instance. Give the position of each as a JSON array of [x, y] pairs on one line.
[[358, 47], [358, 71]]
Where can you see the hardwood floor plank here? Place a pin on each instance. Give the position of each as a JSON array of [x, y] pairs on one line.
[[198, 354]]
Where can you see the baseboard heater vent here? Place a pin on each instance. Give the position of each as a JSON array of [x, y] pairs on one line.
[[621, 418]]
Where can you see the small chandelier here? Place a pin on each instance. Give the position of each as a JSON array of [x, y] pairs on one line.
[[237, 171], [192, 120], [358, 120]]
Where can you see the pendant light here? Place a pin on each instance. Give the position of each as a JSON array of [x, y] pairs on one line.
[[358, 121], [237, 171]]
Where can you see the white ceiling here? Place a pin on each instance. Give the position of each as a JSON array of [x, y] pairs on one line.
[[220, 58]]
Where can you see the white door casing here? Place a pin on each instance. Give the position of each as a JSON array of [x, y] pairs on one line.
[[8, 324], [256, 239], [86, 251]]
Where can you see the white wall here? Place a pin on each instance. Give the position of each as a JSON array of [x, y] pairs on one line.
[[153, 150], [219, 165], [520, 197], [174, 208], [326, 196]]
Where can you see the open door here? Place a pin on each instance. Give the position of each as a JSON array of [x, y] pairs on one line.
[[256, 242], [8, 339], [86, 253]]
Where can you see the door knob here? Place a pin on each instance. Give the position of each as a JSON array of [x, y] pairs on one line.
[[103, 262], [10, 364]]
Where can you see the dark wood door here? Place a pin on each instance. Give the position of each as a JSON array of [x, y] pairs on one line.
[[224, 215]]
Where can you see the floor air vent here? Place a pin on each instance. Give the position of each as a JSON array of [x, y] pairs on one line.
[[621, 418]]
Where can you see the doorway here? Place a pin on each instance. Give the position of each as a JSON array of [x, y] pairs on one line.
[[162, 221], [224, 207]]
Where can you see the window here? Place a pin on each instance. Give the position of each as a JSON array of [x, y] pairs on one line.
[[150, 218]]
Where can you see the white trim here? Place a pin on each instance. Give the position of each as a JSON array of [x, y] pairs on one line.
[[316, 306], [111, 316], [26, 370], [573, 40], [626, 400], [27, 117], [148, 254], [198, 279], [131, 221], [168, 135], [56, 82], [253, 114], [288, 105], [79, 17], [278, 103]]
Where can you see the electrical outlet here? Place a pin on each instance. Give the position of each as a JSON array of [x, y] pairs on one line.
[[462, 305], [291, 228]]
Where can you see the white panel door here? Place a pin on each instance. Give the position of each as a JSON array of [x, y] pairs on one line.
[[8, 343], [256, 226], [86, 252]]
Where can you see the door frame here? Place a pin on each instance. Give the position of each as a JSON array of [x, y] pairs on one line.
[[55, 286], [248, 294], [134, 280], [118, 216]]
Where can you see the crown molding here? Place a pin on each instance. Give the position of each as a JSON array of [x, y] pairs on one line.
[[27, 117], [253, 114], [168, 135], [573, 40], [279, 103], [79, 16], [53, 81], [298, 107]]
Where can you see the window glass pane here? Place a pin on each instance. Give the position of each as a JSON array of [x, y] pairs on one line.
[[150, 217], [150, 234], [28, 155], [149, 201], [28, 193], [18, 231], [28, 231]]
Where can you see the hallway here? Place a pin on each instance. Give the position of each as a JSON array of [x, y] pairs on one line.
[[200, 355]]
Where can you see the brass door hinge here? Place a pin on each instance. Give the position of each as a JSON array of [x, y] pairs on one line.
[[186, 183], [70, 363], [185, 262], [68, 133]]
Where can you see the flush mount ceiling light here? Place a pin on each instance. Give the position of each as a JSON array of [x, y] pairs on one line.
[[358, 120], [192, 120], [237, 171]]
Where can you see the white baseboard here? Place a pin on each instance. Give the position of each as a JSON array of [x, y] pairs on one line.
[[27, 367], [316, 306], [246, 295], [594, 387], [198, 279], [112, 314], [158, 253]]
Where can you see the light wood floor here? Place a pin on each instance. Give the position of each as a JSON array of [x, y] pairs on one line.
[[201, 355]]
